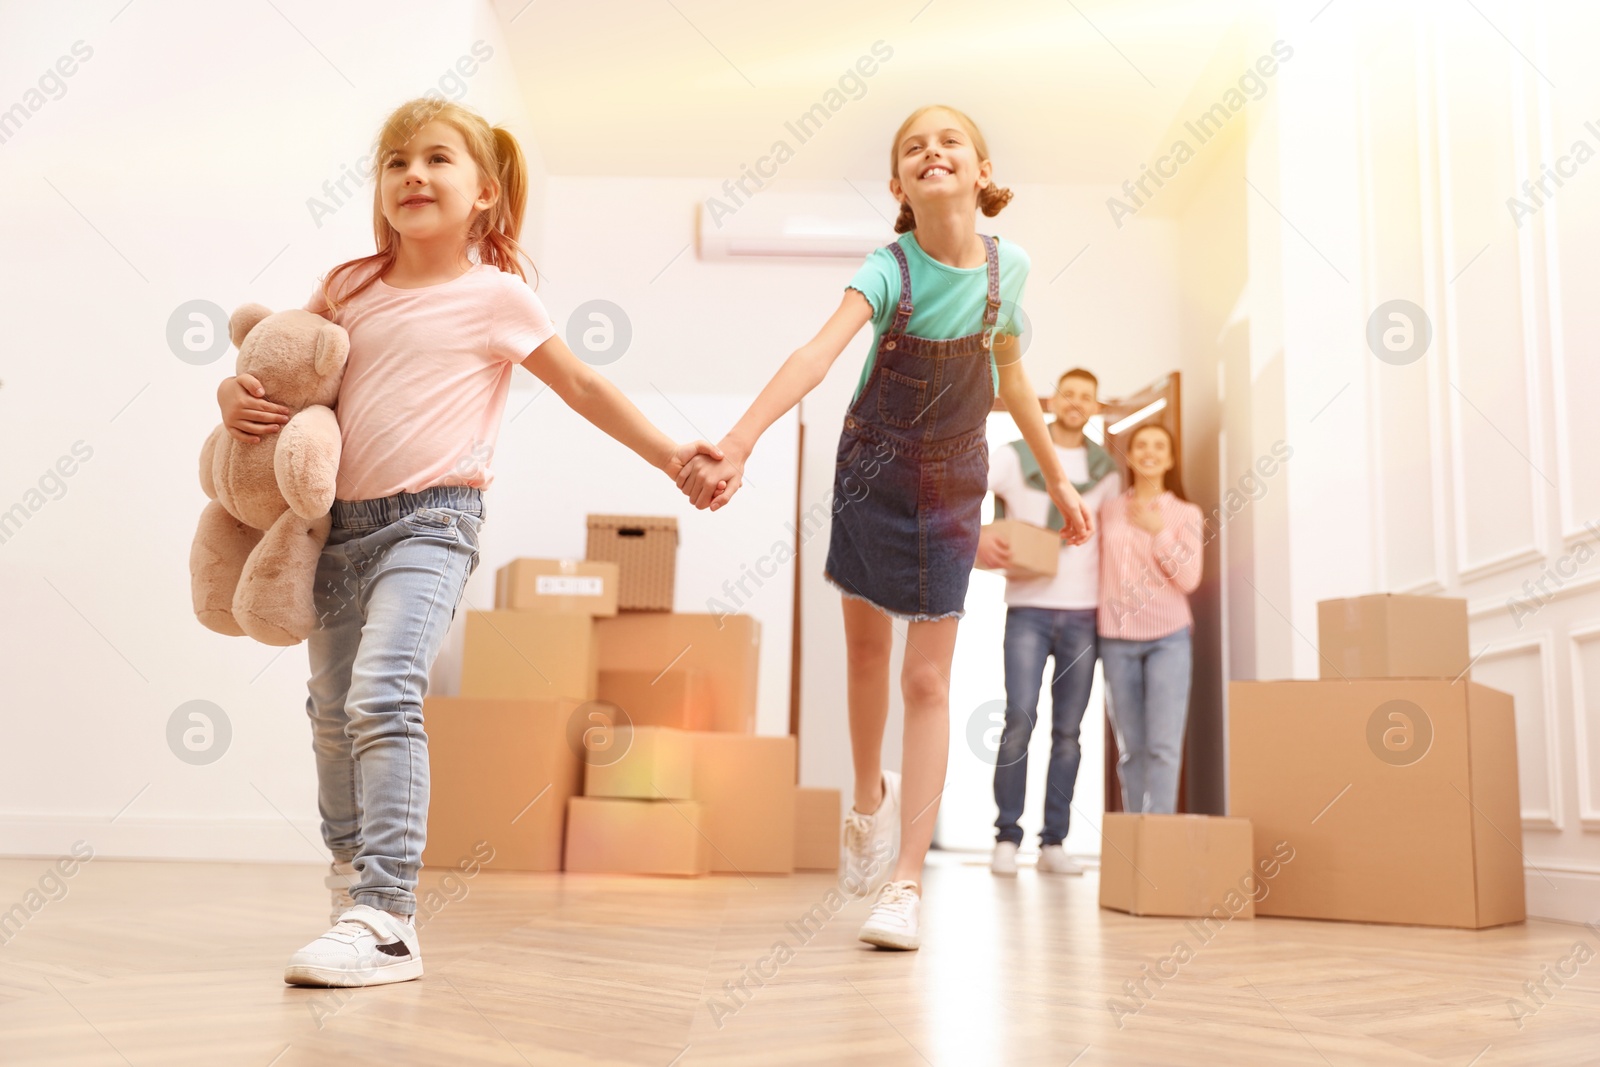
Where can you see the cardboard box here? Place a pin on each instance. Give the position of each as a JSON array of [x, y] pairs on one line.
[[1390, 636], [579, 586], [676, 698], [500, 771], [746, 785], [610, 836], [1035, 551], [726, 652], [642, 762], [817, 822], [529, 655], [1179, 865], [646, 548], [1384, 800]]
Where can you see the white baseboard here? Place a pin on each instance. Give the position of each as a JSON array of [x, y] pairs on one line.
[[240, 840], [1571, 896], [1563, 895]]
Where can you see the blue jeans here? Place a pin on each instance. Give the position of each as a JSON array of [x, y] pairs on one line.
[[388, 584], [1032, 636], [1149, 683]]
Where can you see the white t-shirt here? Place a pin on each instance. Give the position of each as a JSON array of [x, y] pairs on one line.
[[1076, 583]]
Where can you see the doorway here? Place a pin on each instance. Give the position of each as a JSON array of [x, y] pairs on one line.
[[977, 682]]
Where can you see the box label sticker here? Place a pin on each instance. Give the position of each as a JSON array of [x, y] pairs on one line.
[[569, 585]]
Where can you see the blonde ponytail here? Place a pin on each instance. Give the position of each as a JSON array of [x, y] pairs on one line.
[[502, 223], [494, 231]]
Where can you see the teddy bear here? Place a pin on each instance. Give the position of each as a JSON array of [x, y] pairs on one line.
[[253, 563]]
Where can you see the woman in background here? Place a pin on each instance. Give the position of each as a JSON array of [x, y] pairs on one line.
[[1150, 548]]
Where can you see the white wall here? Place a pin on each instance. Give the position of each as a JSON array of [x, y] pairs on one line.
[[170, 169], [1402, 138], [117, 222]]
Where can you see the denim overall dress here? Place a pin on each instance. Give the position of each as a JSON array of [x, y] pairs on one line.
[[913, 466]]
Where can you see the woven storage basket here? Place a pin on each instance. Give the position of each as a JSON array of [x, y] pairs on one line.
[[645, 548]]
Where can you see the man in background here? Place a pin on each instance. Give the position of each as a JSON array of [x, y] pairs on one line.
[[1047, 618]]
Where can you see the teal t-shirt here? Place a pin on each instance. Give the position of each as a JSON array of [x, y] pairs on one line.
[[947, 302]]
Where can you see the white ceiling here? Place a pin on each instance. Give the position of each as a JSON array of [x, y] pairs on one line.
[[1065, 90]]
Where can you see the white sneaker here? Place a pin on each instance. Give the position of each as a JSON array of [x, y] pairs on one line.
[[893, 922], [1053, 859], [869, 844], [341, 878], [1005, 858], [366, 946]]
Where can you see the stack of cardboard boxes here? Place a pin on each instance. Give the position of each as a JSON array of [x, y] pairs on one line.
[[502, 766], [597, 730], [1392, 780]]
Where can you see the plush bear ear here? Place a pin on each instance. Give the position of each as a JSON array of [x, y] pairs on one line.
[[333, 346], [244, 320]]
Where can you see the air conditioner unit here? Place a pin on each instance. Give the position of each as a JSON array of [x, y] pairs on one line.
[[774, 224]]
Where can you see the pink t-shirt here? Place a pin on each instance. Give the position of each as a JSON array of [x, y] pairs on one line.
[[1146, 579], [429, 371]]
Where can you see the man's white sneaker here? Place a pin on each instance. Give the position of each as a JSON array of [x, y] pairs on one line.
[[366, 946], [893, 922], [1053, 859], [1005, 858], [870, 844], [341, 878]]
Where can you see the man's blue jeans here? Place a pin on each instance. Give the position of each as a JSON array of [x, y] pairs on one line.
[[1034, 635]]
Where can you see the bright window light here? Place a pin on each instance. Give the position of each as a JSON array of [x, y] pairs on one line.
[[1137, 417]]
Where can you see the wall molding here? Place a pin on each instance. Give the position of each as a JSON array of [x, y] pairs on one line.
[[1534, 434], [1540, 643], [1563, 894], [1535, 317], [1432, 167], [1482, 609], [1588, 812], [1370, 385], [1548, 228], [1580, 534], [1431, 587], [1508, 561]]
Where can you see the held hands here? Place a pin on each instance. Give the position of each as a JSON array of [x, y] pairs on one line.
[[710, 482], [246, 412], [688, 455], [1079, 523]]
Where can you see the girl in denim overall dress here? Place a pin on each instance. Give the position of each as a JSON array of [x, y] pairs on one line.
[[438, 318], [910, 477]]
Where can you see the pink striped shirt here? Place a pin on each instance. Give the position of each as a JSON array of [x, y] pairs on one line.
[[1145, 579]]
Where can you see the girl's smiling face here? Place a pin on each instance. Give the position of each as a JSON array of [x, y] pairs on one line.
[[936, 160], [431, 186]]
